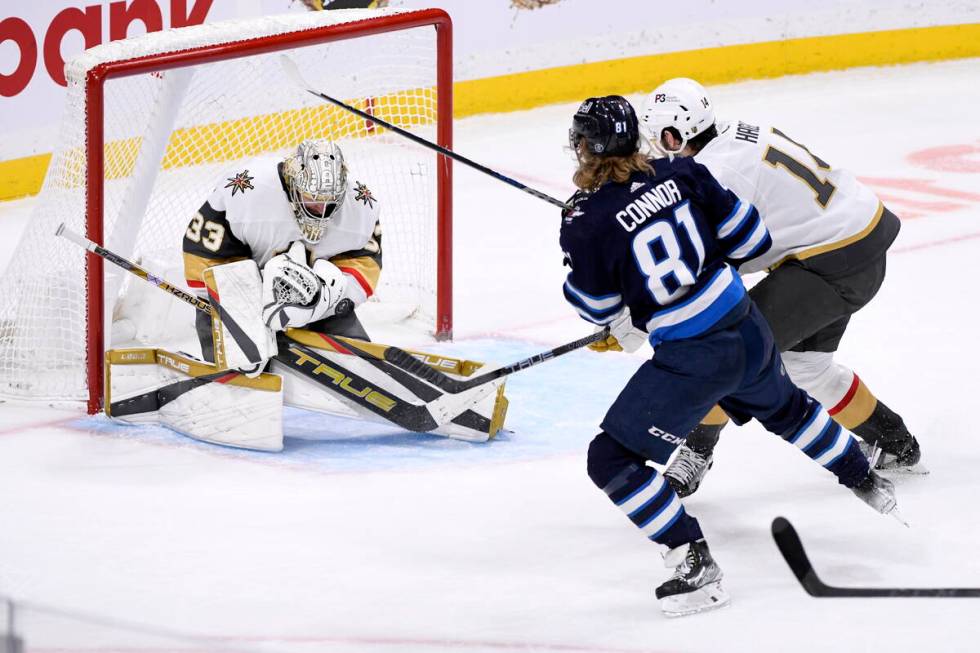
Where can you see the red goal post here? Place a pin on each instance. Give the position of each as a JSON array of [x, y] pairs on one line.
[[301, 35]]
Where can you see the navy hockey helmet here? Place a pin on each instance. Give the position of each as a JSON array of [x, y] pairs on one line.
[[608, 125]]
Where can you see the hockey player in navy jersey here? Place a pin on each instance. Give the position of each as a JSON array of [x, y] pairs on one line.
[[652, 246]]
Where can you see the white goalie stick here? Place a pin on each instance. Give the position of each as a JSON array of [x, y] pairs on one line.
[[421, 418], [292, 71], [791, 547]]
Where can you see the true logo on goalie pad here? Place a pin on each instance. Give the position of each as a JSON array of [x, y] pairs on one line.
[[343, 381], [170, 362]]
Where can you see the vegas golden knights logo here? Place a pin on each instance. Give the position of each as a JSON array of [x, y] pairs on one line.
[[363, 194], [240, 182]]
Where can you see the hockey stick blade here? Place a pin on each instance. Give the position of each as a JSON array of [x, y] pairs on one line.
[[790, 545], [402, 359], [292, 71]]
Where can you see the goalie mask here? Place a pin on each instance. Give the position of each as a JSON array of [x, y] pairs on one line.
[[681, 104], [316, 178]]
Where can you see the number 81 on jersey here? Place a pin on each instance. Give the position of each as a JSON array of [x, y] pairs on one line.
[[670, 256]]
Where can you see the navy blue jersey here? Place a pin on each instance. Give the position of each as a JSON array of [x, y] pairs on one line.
[[662, 245]]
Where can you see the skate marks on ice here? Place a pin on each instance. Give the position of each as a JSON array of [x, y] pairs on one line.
[[554, 409]]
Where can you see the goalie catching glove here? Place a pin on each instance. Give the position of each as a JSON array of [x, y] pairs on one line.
[[623, 336], [294, 294]]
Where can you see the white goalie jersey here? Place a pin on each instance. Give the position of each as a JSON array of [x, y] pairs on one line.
[[808, 206], [248, 215]]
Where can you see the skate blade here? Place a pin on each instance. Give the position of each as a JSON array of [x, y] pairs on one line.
[[898, 516], [918, 469], [703, 599]]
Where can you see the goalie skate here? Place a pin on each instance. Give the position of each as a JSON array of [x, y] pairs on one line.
[[696, 583]]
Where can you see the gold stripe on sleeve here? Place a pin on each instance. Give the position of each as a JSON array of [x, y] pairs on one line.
[[363, 266]]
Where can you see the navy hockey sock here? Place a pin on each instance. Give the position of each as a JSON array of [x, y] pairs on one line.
[[824, 441], [652, 505], [644, 495]]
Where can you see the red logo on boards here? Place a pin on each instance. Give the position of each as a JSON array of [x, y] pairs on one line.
[[87, 22]]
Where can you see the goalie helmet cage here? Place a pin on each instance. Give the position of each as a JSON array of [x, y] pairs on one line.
[[151, 123]]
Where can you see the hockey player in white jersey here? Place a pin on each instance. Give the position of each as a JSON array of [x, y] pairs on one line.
[[830, 234], [313, 232]]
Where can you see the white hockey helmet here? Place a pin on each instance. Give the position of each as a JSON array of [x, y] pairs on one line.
[[681, 104], [316, 179]]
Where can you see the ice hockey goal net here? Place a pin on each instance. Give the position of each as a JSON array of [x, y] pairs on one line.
[[150, 124]]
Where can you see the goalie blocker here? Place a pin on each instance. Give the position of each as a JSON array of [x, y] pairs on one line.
[[240, 336]]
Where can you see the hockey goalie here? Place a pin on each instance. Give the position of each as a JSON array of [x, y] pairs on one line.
[[284, 251]]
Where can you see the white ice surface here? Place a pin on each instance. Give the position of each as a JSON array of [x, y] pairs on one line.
[[376, 540]]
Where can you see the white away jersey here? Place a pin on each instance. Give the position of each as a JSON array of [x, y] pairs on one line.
[[258, 212], [808, 206]]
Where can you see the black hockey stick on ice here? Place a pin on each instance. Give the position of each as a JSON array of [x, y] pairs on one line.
[[404, 360], [292, 71], [792, 549], [421, 418]]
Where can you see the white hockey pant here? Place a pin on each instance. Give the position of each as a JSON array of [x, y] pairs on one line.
[[816, 372]]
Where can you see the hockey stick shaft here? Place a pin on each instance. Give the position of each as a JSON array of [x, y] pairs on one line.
[[293, 72], [409, 363], [112, 257], [790, 545]]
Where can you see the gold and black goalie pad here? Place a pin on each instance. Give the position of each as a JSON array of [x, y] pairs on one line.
[[193, 398], [192, 373], [339, 374]]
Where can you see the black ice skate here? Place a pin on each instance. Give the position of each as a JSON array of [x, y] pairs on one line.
[[898, 458], [687, 471], [899, 448], [696, 583]]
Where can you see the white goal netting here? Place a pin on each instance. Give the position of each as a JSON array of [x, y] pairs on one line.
[[169, 134]]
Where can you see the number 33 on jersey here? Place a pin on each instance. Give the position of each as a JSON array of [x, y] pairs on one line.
[[662, 245]]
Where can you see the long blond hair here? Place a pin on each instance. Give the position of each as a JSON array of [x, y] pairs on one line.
[[593, 171]]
